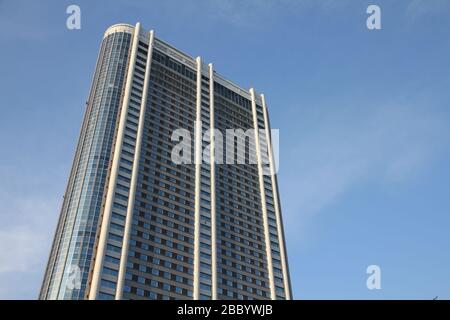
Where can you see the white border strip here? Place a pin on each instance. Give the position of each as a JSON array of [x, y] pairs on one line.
[[197, 161], [280, 231], [135, 173], [263, 198], [213, 186], [104, 229]]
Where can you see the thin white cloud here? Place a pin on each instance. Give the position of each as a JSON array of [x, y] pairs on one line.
[[422, 8], [22, 20], [20, 249], [346, 148], [247, 13], [26, 230]]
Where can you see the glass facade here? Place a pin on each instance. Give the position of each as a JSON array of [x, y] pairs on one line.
[[74, 240], [160, 256], [144, 244]]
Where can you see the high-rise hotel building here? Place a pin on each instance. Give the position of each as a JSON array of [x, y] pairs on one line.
[[135, 225]]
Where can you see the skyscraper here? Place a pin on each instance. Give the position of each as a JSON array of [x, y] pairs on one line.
[[134, 224]]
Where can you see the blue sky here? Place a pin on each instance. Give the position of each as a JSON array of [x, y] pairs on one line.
[[363, 116]]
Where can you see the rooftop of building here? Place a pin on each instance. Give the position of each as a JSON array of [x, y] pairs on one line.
[[180, 56]]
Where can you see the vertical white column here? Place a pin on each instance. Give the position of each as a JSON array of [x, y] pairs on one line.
[[263, 198], [280, 231], [197, 162], [104, 228], [135, 172], [213, 186]]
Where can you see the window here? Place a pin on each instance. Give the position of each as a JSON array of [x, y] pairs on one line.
[[205, 287], [205, 276], [110, 271], [105, 296], [112, 259], [108, 284]]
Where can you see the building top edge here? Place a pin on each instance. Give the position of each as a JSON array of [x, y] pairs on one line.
[[181, 57]]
